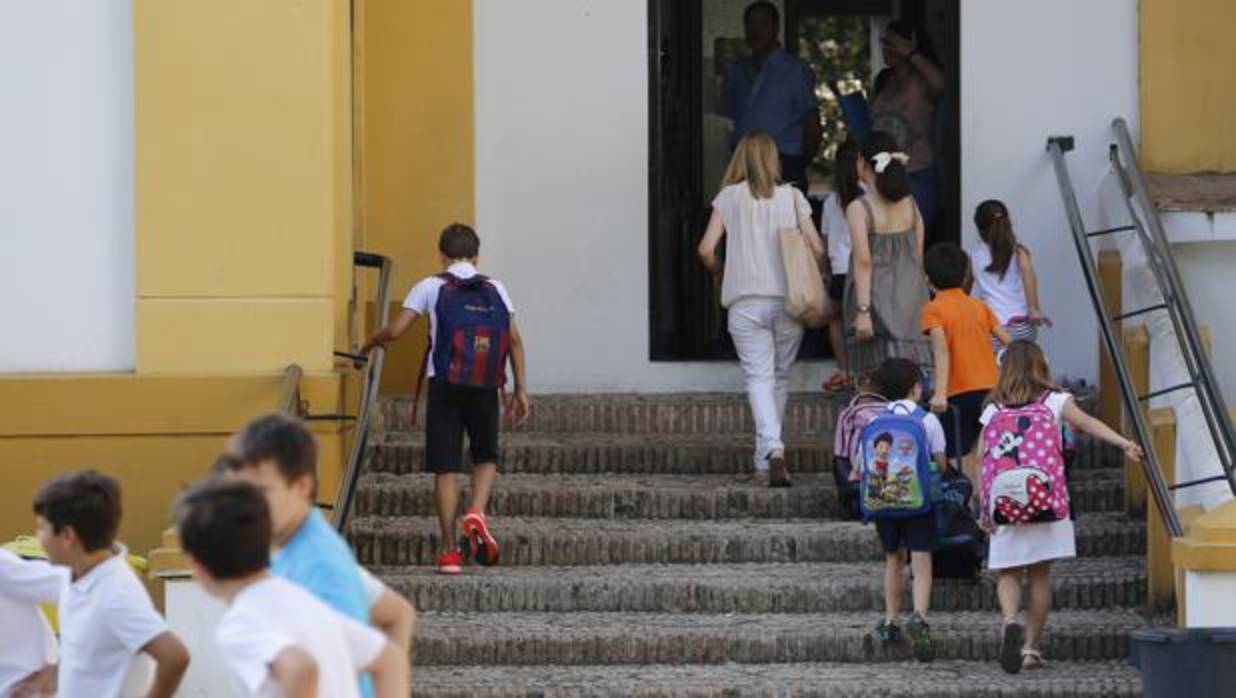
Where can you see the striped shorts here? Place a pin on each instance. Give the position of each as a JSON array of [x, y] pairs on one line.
[[1017, 330]]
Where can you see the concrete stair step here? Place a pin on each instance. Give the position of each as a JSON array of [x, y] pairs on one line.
[[698, 497], [571, 541], [1095, 583], [625, 413], [955, 679], [585, 453], [655, 638]]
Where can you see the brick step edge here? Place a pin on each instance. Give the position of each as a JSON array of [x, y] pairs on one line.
[[802, 680], [641, 638]]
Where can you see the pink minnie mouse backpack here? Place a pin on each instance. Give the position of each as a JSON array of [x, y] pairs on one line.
[[1023, 478]]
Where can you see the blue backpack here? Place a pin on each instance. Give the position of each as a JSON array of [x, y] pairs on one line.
[[896, 477], [473, 334]]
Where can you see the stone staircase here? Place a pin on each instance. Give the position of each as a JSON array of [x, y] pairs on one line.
[[635, 565]]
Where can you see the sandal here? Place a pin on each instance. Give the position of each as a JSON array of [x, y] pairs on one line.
[[839, 382], [1031, 659], [1012, 656]]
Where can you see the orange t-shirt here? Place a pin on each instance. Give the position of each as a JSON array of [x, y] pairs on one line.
[[967, 323]]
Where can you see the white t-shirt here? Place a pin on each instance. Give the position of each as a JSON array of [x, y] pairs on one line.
[[372, 585], [423, 300], [834, 225], [106, 618], [272, 615], [753, 266], [931, 425], [1007, 296], [26, 642]]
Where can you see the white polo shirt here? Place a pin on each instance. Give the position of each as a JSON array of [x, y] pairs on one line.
[[106, 618], [423, 299], [931, 426], [272, 615], [26, 640]]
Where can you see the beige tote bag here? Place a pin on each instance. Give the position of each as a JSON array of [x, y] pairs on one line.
[[805, 299]]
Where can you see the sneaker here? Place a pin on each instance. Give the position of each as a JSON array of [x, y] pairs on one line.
[[484, 547], [920, 638], [888, 632], [1010, 647], [778, 474], [450, 562]]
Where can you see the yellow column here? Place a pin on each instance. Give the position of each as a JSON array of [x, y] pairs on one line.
[[1158, 541], [1137, 357], [243, 183], [1110, 280]]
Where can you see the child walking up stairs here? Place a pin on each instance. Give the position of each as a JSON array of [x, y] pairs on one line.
[[635, 564]]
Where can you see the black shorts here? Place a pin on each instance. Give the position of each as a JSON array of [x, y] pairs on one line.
[[836, 288], [969, 408], [454, 410], [914, 533]]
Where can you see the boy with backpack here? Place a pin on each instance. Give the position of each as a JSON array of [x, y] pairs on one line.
[[961, 329], [472, 332], [897, 447], [275, 637]]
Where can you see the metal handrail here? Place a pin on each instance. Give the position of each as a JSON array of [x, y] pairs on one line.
[[289, 397], [1175, 300], [1159, 490], [369, 388]]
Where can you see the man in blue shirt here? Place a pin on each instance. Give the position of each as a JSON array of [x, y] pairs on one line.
[[280, 457], [774, 92]]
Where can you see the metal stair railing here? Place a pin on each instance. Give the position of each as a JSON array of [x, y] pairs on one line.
[[1159, 489], [1176, 304], [369, 389]]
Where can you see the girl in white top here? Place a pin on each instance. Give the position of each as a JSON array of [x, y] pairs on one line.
[[836, 231], [1004, 275], [1027, 550], [751, 207]]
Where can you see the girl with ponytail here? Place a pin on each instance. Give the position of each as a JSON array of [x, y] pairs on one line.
[[885, 289], [1004, 275]]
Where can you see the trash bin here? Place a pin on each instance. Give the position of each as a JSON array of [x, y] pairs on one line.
[[1197, 662]]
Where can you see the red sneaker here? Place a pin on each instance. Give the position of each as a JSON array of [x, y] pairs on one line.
[[484, 547], [450, 562]]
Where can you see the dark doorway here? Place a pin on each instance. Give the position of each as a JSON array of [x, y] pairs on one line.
[[691, 45]]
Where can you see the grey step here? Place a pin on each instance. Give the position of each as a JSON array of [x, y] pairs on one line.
[[655, 638], [663, 496], [941, 679], [587, 453], [627, 413], [546, 541], [1096, 583]]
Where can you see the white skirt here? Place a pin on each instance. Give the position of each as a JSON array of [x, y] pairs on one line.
[[1027, 544]]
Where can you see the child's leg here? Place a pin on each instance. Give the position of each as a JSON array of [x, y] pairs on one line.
[[893, 563], [1040, 603], [483, 477], [920, 562], [1008, 590], [446, 502]]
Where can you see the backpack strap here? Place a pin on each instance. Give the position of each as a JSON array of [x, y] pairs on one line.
[[1042, 399], [908, 411]]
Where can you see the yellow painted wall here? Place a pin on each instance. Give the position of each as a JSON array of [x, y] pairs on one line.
[[415, 161], [1187, 102], [154, 433], [243, 178]]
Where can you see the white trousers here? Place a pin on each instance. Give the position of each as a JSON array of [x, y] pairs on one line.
[[767, 342]]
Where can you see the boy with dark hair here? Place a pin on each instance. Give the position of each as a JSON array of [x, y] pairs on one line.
[[278, 455], [960, 328], [106, 618], [900, 380], [275, 636], [472, 331]]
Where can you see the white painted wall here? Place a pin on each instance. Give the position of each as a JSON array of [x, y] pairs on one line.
[[66, 186], [561, 89], [1030, 70]]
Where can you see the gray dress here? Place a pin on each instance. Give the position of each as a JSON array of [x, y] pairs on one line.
[[898, 294]]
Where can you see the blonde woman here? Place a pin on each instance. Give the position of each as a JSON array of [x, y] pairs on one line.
[[751, 207]]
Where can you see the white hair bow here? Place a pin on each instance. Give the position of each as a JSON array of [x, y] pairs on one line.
[[882, 159]]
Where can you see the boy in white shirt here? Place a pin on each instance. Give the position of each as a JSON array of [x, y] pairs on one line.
[[107, 621], [277, 638], [27, 646]]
